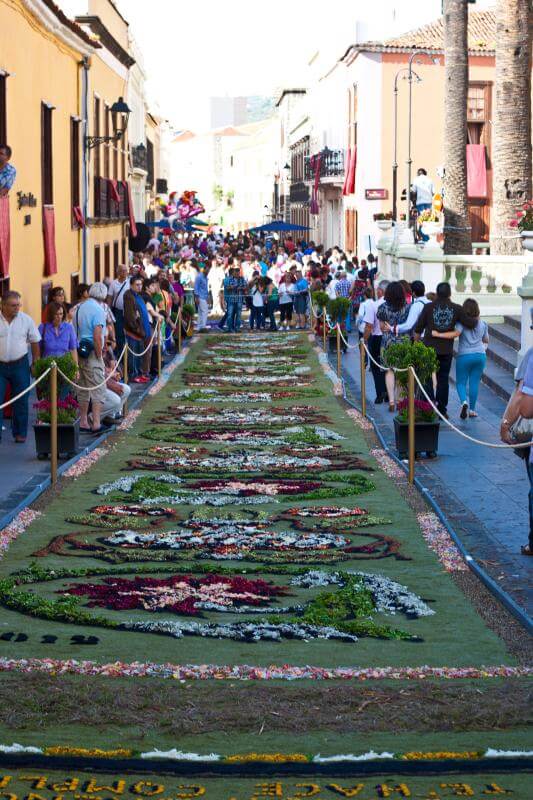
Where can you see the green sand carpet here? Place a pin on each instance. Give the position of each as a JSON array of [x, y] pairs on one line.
[[254, 529]]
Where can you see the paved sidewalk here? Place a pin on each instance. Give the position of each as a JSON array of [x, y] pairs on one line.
[[21, 472], [483, 492]]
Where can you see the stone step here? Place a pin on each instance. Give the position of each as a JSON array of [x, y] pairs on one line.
[[515, 322], [503, 355], [505, 333]]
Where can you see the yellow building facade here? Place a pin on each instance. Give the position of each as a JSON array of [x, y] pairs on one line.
[[40, 71], [58, 82]]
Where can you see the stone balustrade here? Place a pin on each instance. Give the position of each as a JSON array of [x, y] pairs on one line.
[[492, 280]]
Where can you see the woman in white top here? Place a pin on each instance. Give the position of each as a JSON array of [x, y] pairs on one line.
[[285, 298], [257, 289]]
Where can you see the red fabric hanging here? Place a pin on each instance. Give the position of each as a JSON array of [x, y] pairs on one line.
[[113, 190], [476, 170], [78, 216], [49, 237], [131, 214], [347, 170], [314, 208], [5, 237], [350, 185]]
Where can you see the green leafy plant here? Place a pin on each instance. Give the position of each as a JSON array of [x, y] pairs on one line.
[[406, 353], [338, 308], [188, 310], [320, 299], [65, 364]]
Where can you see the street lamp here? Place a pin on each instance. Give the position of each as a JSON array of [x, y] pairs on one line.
[[120, 116], [410, 75], [395, 161]]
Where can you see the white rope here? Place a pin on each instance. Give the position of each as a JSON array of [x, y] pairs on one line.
[[99, 386], [462, 433], [348, 346], [382, 368], [121, 356], [25, 391]]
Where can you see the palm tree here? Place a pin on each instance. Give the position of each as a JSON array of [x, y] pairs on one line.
[[512, 122], [457, 231]]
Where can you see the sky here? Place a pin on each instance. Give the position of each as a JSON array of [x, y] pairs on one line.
[[196, 50]]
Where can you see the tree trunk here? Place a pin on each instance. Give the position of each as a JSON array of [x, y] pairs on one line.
[[512, 123], [457, 230]]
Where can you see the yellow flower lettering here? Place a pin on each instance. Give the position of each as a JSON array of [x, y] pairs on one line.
[[38, 781], [311, 789], [69, 785], [346, 791], [459, 789], [401, 788], [117, 787], [268, 790], [147, 788]]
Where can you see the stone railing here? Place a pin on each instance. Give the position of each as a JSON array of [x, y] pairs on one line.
[[492, 280]]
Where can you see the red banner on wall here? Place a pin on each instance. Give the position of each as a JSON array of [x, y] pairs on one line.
[[347, 170], [49, 237], [5, 237], [350, 183], [476, 170], [113, 191]]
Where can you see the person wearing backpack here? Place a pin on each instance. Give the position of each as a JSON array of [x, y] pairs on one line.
[[440, 316], [115, 300]]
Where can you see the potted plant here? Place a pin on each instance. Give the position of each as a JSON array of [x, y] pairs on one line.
[[383, 220], [320, 302], [68, 424], [187, 319], [337, 309], [524, 222], [427, 424], [429, 221]]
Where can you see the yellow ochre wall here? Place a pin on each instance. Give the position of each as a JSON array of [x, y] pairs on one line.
[[427, 146], [108, 86], [41, 68]]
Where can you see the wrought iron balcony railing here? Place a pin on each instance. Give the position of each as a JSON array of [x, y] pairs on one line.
[[299, 192], [331, 164]]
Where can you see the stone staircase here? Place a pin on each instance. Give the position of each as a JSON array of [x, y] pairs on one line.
[[502, 356]]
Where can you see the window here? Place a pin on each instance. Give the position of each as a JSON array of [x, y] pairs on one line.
[[74, 163], [115, 258], [3, 109], [476, 107], [46, 155], [123, 161], [97, 265], [124, 251], [45, 289], [74, 283], [149, 164], [4, 286], [107, 118], [96, 132], [107, 260]]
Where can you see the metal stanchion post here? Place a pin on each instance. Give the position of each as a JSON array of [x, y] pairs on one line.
[[339, 360], [411, 420], [324, 329], [362, 354], [53, 423], [125, 378], [159, 354], [179, 330]]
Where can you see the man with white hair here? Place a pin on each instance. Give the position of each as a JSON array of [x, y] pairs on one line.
[[90, 322]]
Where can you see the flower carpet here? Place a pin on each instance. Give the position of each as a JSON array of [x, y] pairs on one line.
[[244, 528]]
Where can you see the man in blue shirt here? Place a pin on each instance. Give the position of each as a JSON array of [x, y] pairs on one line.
[[201, 295], [90, 323], [8, 173], [234, 288]]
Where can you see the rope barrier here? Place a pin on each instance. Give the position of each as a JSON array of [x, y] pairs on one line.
[[25, 391], [502, 446], [462, 433], [126, 347]]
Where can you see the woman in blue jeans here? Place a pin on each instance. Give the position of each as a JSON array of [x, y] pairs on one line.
[[471, 358]]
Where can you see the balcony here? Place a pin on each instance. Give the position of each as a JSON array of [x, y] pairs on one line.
[[331, 165], [106, 209], [299, 192], [139, 157]]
